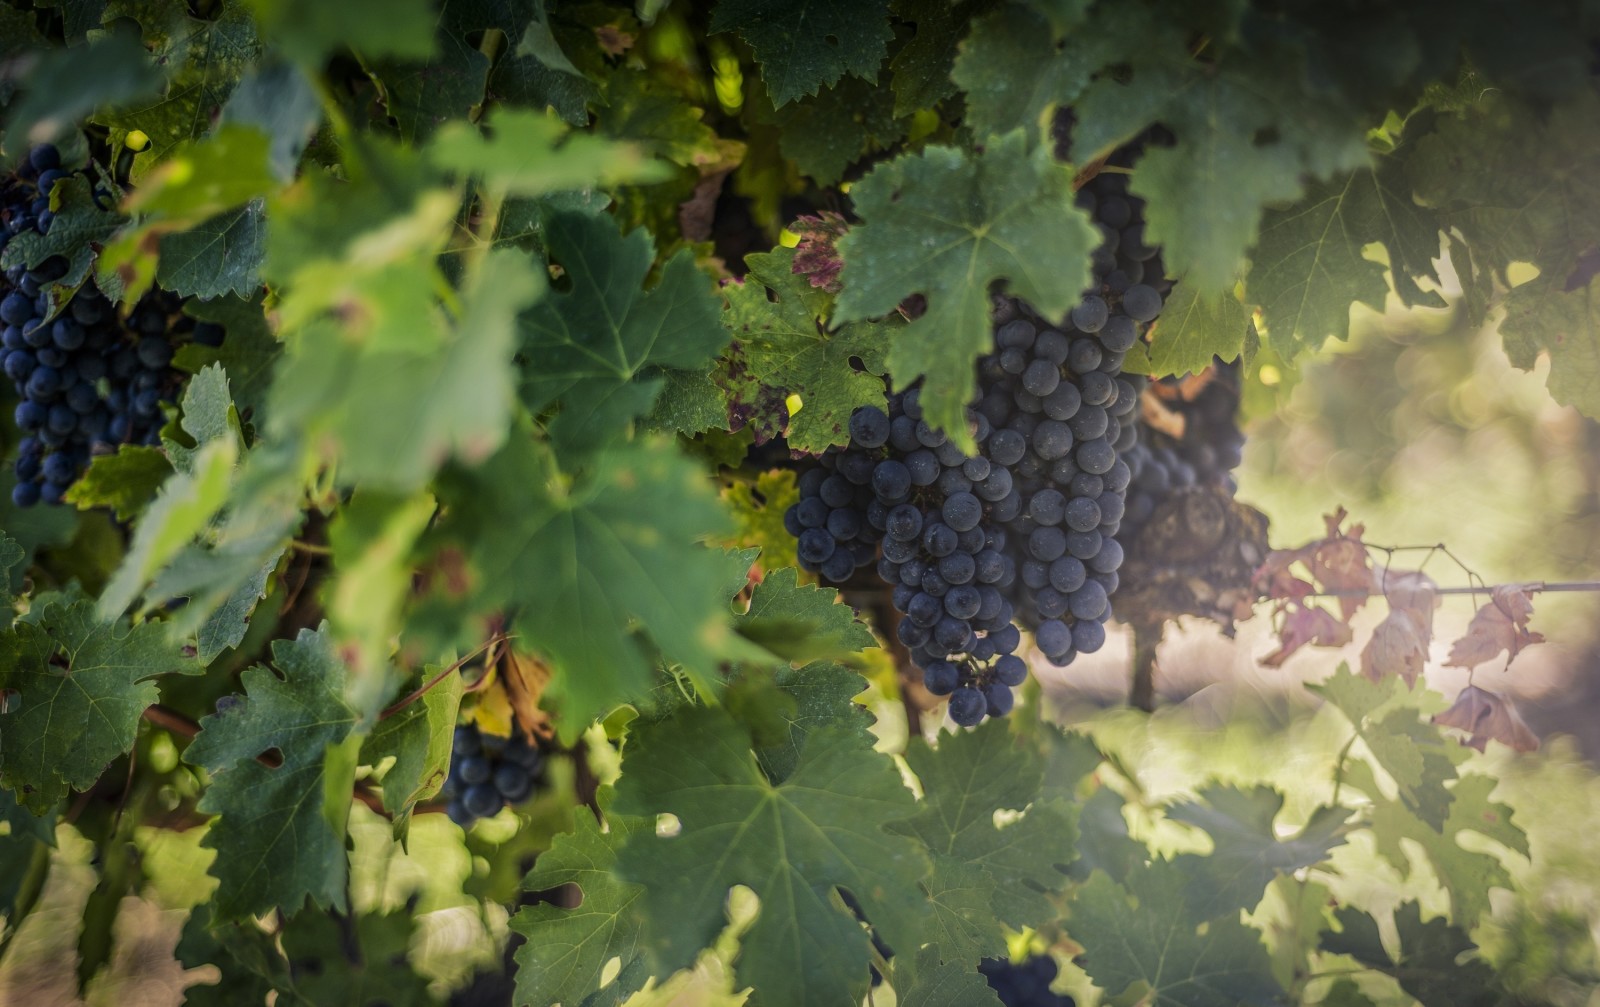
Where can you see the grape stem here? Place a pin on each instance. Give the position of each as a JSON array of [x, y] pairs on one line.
[[1529, 586], [422, 690]]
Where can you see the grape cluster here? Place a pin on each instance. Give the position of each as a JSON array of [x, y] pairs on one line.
[[1025, 984], [487, 773], [88, 380], [1206, 454]]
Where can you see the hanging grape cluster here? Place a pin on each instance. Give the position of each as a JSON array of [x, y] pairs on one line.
[[1205, 453], [1024, 984], [1021, 532], [88, 380], [487, 773]]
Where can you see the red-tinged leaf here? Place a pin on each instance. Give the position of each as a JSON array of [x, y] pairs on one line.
[[1412, 592], [1340, 563], [816, 257], [1488, 716], [1500, 625], [1274, 579], [1304, 626], [1399, 646]]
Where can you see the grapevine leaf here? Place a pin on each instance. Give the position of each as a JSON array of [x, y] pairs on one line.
[[307, 31], [1310, 264], [922, 68], [1507, 206], [451, 398], [587, 564], [1412, 752], [373, 538], [758, 509], [1541, 316], [1467, 875], [280, 837], [1014, 69], [1160, 945], [419, 737], [246, 957], [801, 622], [961, 910], [952, 984], [1487, 716], [946, 224], [1244, 140], [125, 482], [803, 45], [567, 950], [690, 403], [364, 962], [204, 59], [19, 34], [970, 777], [1428, 967], [81, 685], [785, 349], [59, 93], [13, 561], [79, 228], [424, 96], [228, 168], [823, 695], [526, 155], [531, 70], [25, 841], [643, 110], [594, 339], [279, 100], [248, 351], [227, 625], [1247, 853], [217, 257], [794, 844], [824, 135], [1194, 328]]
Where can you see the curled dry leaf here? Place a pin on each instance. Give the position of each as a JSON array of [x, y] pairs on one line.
[[1157, 415], [1487, 716], [1500, 625], [525, 679], [1399, 646], [1307, 625]]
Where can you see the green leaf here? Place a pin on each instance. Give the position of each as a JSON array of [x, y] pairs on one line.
[[59, 92], [794, 844], [954, 984], [216, 257], [947, 224], [1246, 851], [13, 563], [567, 950], [25, 842], [966, 781], [227, 625], [524, 155], [419, 737], [521, 75], [801, 623], [82, 685], [1428, 967], [804, 44], [125, 482], [248, 351], [199, 178], [593, 340], [782, 346], [204, 60], [80, 226], [425, 96], [922, 68], [1566, 324], [824, 697], [1159, 945], [1467, 874], [366, 961], [824, 135], [1310, 266], [587, 561], [281, 834], [308, 31], [646, 111], [1193, 328], [1246, 136], [1015, 70], [277, 99], [964, 927], [1415, 754], [432, 399]]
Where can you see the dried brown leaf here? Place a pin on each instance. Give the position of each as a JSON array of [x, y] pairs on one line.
[[1307, 625], [1399, 646], [1500, 625], [1488, 716], [525, 679]]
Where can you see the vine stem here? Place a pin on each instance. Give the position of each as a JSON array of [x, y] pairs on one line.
[[422, 690], [1531, 586], [1338, 766]]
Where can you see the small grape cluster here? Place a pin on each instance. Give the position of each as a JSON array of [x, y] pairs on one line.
[[88, 380], [1210, 448], [487, 773], [1024, 984]]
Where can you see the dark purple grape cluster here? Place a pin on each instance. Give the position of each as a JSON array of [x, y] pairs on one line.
[[487, 773], [88, 380], [1211, 447], [1024, 984]]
